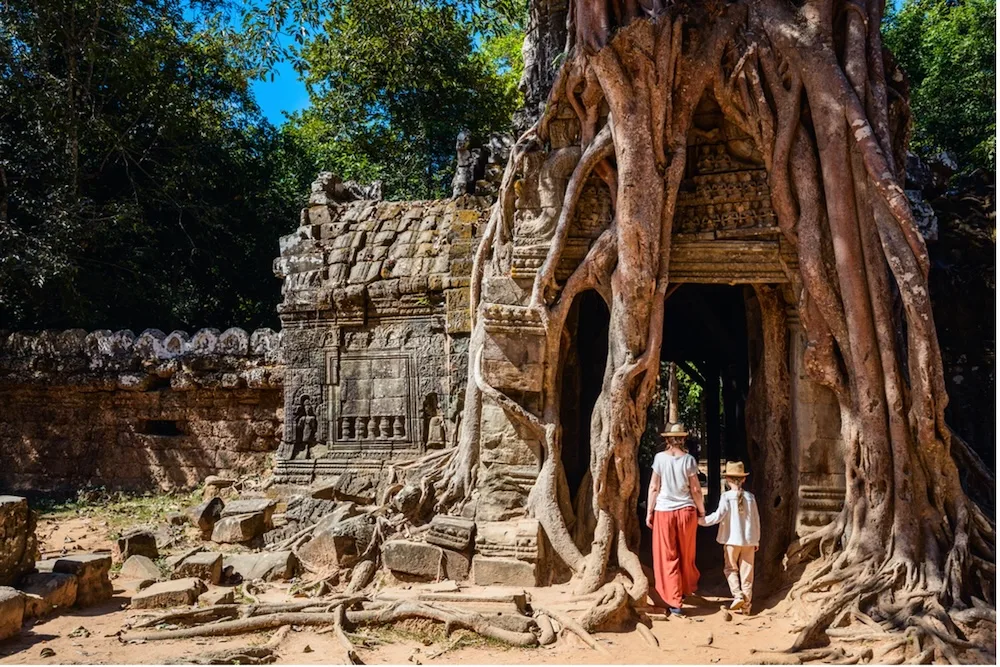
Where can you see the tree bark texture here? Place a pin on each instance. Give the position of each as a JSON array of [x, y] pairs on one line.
[[810, 85]]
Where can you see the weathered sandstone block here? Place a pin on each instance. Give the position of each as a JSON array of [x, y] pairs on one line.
[[206, 515], [11, 612], [239, 529], [142, 570], [91, 570], [134, 543], [216, 596], [451, 532], [503, 572], [206, 566], [425, 561], [17, 539], [269, 566], [45, 591], [264, 506], [175, 593]]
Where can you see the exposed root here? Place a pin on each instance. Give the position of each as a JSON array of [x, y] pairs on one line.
[[477, 623], [572, 625]]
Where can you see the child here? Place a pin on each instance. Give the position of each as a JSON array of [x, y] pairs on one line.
[[739, 532]]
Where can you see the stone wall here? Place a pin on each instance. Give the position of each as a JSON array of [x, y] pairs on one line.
[[134, 413], [375, 322]]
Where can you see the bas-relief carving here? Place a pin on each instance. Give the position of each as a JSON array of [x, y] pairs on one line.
[[725, 192]]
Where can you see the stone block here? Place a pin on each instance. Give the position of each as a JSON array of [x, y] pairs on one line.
[[203, 565], [263, 506], [503, 572], [414, 559], [355, 487], [175, 593], [134, 543], [238, 529], [451, 532], [424, 561], [218, 487], [206, 515], [91, 570], [269, 566], [216, 596], [337, 541], [11, 612], [45, 591], [142, 570], [17, 539], [518, 540]]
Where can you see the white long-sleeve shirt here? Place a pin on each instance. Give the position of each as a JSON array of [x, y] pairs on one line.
[[741, 529]]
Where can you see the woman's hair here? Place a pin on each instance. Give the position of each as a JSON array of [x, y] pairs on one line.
[[675, 441], [740, 502]]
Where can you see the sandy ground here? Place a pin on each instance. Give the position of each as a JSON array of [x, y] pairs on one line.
[[704, 637], [91, 635]]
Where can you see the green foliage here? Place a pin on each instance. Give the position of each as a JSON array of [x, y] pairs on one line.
[[391, 86], [947, 49], [139, 185], [120, 510], [689, 395]]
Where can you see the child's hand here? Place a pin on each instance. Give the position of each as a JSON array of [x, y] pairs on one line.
[[701, 521]]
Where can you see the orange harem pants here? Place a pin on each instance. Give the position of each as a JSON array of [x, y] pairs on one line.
[[674, 535]]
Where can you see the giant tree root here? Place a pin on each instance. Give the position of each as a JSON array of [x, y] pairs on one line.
[[452, 618], [238, 627], [387, 614]]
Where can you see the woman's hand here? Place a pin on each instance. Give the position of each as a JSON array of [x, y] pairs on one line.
[[649, 519]]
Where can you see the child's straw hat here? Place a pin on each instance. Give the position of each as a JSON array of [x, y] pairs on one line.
[[735, 469]]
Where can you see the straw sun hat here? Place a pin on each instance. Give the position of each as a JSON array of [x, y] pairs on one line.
[[675, 431], [735, 469]]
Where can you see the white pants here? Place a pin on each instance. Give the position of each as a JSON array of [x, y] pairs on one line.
[[739, 571]]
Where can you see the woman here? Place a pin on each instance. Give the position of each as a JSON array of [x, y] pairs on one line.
[[675, 504]]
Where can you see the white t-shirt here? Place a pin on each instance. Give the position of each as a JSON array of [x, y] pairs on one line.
[[675, 488]]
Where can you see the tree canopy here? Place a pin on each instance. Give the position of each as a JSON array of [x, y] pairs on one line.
[[393, 83], [140, 186], [947, 49]]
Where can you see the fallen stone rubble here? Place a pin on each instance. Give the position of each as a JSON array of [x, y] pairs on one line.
[[33, 588]]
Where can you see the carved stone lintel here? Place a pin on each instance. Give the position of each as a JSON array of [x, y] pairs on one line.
[[510, 539], [451, 532]]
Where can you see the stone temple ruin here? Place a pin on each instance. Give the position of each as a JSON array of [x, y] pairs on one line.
[[367, 376], [376, 325], [365, 382]]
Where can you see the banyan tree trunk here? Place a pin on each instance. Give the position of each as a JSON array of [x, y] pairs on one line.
[[810, 84]]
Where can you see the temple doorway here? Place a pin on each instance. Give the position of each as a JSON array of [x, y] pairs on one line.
[[708, 348], [583, 375], [713, 339]]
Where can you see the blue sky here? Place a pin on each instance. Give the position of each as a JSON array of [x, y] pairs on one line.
[[283, 95]]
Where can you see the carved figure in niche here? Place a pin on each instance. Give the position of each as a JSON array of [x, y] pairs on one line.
[[553, 178], [305, 427], [434, 435], [471, 165]]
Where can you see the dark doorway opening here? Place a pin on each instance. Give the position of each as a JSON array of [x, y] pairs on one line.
[[582, 378], [706, 336]]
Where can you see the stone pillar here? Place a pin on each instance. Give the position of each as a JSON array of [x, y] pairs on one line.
[[817, 445]]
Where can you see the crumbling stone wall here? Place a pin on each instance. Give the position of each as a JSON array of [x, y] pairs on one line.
[[125, 412], [375, 322]]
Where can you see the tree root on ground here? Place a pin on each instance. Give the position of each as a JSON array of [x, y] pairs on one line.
[[336, 614]]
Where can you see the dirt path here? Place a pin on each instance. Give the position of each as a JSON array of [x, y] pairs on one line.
[[91, 635], [704, 637]]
